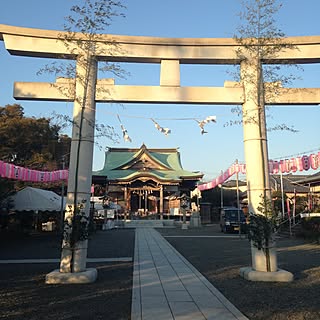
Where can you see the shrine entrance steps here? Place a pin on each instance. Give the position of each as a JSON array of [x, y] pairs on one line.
[[148, 223]]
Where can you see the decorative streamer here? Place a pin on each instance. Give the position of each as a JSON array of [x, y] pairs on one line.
[[165, 131], [125, 134], [303, 163], [202, 123], [11, 171]]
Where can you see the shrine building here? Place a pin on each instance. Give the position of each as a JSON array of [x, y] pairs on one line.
[[145, 181]]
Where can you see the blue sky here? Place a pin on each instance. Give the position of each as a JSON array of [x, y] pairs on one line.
[[209, 153]]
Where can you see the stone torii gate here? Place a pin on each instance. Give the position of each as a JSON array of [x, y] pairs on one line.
[[169, 53]]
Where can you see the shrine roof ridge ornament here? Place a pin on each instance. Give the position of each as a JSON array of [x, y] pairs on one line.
[[45, 43]]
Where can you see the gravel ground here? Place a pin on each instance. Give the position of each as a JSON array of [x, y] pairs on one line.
[[219, 260], [24, 295]]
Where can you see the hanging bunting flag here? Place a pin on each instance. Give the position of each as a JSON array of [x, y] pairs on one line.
[[202, 123], [165, 131], [125, 135]]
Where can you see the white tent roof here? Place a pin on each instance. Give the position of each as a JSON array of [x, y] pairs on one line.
[[32, 199]]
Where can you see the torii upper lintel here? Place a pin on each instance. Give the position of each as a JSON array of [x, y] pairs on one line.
[[50, 44]]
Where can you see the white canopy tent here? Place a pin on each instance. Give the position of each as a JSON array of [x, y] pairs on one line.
[[33, 199]]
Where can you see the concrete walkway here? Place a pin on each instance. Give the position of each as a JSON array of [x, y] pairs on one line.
[[167, 287]]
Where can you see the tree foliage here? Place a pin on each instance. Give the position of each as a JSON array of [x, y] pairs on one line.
[[30, 142], [90, 20], [261, 229], [261, 39], [259, 36], [93, 16]]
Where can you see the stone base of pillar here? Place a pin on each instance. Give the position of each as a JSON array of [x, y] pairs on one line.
[[259, 258], [184, 226], [280, 275], [195, 221], [57, 277]]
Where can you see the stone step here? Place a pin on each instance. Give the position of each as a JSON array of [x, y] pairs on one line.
[[143, 224]]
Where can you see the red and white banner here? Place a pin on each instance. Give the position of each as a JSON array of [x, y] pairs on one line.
[[303, 163], [240, 168], [11, 171]]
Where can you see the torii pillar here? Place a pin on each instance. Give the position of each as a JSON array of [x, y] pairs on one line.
[[256, 157], [73, 259]]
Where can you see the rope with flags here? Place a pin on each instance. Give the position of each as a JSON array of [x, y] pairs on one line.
[[300, 163]]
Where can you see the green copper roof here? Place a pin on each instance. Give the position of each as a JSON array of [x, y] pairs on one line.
[[127, 164]]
